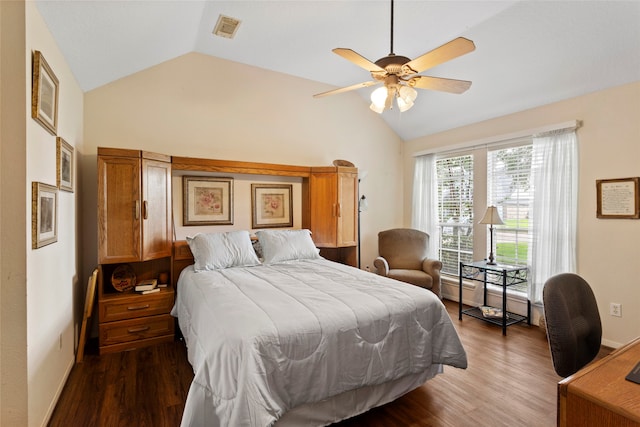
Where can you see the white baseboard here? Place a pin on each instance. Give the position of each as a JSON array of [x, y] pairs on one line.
[[472, 295], [56, 397], [612, 344]]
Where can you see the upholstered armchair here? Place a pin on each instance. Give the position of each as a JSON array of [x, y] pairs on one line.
[[403, 256]]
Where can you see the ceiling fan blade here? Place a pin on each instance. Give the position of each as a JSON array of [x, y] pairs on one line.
[[357, 59], [438, 83], [446, 52], [345, 89]]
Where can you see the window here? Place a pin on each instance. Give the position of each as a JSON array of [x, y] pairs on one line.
[[509, 189], [455, 211], [506, 175], [531, 176]]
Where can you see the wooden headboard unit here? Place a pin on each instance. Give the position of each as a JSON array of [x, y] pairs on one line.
[[182, 258]]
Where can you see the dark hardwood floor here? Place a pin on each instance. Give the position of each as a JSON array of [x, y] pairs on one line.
[[509, 382]]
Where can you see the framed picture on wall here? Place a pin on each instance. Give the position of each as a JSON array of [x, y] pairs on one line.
[[207, 200], [44, 214], [271, 205], [618, 198], [64, 165], [44, 94]]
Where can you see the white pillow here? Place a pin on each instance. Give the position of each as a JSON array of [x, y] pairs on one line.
[[212, 251], [286, 245]]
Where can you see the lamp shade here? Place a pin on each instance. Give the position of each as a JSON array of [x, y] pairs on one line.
[[378, 99], [491, 217], [406, 96]]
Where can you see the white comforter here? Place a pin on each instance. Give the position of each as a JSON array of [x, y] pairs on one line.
[[265, 339]]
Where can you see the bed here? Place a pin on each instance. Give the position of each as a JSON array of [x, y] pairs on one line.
[[281, 336]]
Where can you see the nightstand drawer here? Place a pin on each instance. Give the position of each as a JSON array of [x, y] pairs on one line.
[[136, 329], [134, 306]]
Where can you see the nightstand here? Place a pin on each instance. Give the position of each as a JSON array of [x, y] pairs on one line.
[[498, 275], [129, 320]]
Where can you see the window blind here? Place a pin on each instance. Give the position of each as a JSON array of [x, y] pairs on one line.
[[510, 189], [455, 211]]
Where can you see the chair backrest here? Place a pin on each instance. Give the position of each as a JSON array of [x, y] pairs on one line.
[[88, 309], [404, 248], [573, 322], [91, 292]]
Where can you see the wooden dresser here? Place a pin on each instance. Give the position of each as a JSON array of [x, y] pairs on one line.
[[129, 321], [134, 229], [599, 395]]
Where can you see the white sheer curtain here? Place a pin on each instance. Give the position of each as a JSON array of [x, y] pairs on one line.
[[425, 201], [554, 208]]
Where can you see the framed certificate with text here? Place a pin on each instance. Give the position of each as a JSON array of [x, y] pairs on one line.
[[618, 198]]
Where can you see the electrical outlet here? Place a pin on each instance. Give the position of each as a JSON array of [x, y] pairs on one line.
[[615, 309]]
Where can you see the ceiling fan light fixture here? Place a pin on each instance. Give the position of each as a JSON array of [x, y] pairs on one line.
[[401, 74], [406, 97], [407, 93], [404, 106], [379, 99], [378, 109]]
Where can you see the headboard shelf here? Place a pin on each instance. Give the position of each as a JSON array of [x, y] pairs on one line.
[[232, 166]]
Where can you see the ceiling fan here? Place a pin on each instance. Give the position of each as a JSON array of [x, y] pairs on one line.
[[399, 74]]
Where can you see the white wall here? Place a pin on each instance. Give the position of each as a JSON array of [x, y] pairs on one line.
[[608, 148], [242, 215], [13, 212], [199, 106], [55, 284]]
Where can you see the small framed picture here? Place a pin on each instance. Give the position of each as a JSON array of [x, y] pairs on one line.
[[44, 94], [64, 165], [618, 198], [207, 200], [44, 214], [271, 205]]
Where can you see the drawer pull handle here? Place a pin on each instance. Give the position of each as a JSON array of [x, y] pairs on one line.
[[140, 329], [138, 307]]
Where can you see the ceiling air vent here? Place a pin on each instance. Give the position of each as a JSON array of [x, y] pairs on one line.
[[226, 26]]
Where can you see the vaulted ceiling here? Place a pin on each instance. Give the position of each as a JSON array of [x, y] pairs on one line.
[[528, 53]]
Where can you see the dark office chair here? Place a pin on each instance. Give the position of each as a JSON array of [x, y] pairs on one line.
[[573, 322]]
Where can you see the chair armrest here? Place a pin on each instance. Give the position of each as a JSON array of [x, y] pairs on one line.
[[432, 267], [381, 265]]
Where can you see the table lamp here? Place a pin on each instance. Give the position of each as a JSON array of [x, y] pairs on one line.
[[491, 217]]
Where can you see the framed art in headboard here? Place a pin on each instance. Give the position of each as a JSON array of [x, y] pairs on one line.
[[271, 205], [207, 200]]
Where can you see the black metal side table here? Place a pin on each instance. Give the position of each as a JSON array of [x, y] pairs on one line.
[[499, 275]]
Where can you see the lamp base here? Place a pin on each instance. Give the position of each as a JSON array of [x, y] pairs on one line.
[[491, 260]]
